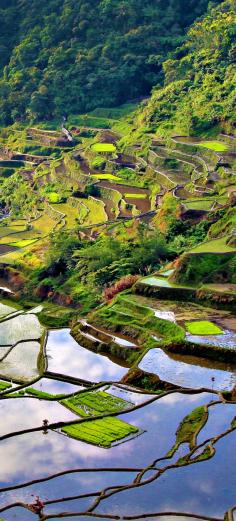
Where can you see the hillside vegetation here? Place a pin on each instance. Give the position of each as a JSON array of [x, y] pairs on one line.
[[137, 187], [70, 56], [200, 80]]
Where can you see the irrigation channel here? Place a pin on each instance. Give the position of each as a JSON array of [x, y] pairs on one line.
[[77, 442]]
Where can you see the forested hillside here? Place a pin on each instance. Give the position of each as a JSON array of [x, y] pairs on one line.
[[68, 56], [200, 80]]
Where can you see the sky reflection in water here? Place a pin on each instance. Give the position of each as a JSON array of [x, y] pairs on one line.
[[69, 358], [184, 374], [36, 455]]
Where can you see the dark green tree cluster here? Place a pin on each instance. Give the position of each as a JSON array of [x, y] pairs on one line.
[[68, 56], [200, 79]]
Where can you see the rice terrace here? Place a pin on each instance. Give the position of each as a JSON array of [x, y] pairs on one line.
[[117, 260]]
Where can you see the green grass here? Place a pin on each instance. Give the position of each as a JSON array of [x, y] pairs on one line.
[[114, 113], [95, 403], [38, 394], [70, 212], [23, 243], [214, 246], [204, 204], [101, 432], [53, 197], [217, 146], [135, 196], [44, 224], [189, 428], [103, 147], [4, 385], [109, 177], [91, 121], [124, 314], [203, 327], [96, 210]]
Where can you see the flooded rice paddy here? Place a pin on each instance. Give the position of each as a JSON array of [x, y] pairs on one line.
[[191, 375], [67, 357], [178, 465]]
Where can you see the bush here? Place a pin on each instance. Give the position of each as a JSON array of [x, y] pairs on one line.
[[124, 283]]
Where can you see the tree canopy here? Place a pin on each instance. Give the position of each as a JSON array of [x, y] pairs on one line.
[[70, 56]]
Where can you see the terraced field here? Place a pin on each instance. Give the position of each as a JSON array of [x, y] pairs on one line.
[[137, 400], [110, 430], [199, 173]]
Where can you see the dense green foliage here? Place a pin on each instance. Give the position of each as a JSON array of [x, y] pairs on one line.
[[200, 79], [71, 56]]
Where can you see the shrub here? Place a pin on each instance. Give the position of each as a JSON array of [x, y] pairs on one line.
[[124, 283]]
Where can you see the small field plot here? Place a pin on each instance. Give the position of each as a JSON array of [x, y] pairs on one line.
[[4, 386], [104, 147], [203, 327], [18, 237], [101, 432], [95, 403], [71, 213], [22, 327], [203, 204], [6, 310], [24, 242], [135, 196], [214, 246], [44, 224], [21, 363], [5, 231], [96, 211], [108, 177], [217, 146]]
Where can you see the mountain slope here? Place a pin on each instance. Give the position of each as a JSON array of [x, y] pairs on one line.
[[200, 80], [70, 56]]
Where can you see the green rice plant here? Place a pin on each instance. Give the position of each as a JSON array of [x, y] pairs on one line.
[[53, 197], [135, 196], [95, 403], [87, 120], [71, 213], [214, 246], [23, 243], [109, 177], [103, 147], [101, 432], [217, 146], [44, 224], [4, 385], [203, 327]]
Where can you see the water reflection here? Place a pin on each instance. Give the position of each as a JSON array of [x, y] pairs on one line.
[[55, 386], [226, 340], [69, 358], [183, 374], [188, 489], [35, 455], [156, 281]]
